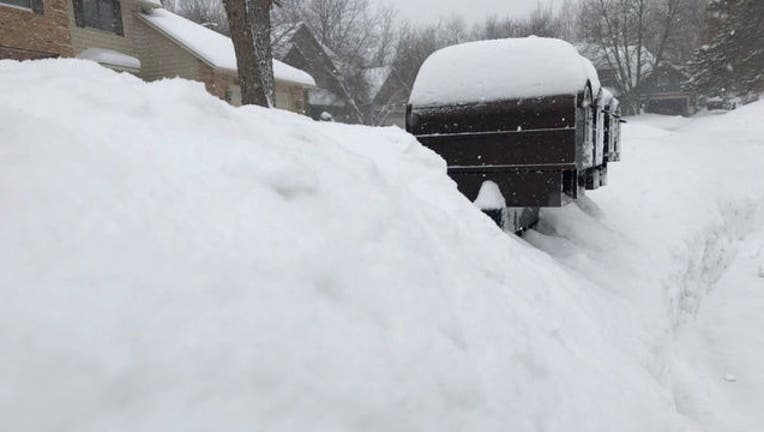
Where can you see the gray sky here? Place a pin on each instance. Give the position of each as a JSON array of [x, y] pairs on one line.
[[471, 10]]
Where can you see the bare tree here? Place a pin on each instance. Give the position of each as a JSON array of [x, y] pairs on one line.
[[170, 5], [635, 37], [250, 23], [356, 34], [384, 40], [209, 13], [676, 28], [617, 31], [566, 22], [543, 22]]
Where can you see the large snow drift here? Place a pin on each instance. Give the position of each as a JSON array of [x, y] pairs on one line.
[[170, 262], [173, 263], [486, 71]]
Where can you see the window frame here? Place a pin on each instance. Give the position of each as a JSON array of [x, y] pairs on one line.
[[80, 17], [35, 6]]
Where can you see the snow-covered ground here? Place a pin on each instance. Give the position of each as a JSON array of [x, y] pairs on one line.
[[677, 236], [170, 262]]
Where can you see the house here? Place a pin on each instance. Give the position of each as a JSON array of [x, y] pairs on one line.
[[138, 37], [606, 62], [660, 89], [297, 46], [173, 45], [388, 96], [34, 29], [663, 91]]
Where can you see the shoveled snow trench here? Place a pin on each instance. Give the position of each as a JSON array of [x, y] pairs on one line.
[[169, 262], [683, 218]]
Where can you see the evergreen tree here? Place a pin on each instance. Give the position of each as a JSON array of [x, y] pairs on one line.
[[733, 60]]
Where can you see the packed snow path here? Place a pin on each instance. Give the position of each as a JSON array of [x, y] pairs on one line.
[[170, 262], [679, 235]]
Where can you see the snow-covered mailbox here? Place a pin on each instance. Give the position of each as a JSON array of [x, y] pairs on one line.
[[521, 114]]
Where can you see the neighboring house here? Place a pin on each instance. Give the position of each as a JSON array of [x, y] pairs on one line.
[[296, 45], [660, 89], [139, 37], [606, 62], [663, 91], [389, 95]]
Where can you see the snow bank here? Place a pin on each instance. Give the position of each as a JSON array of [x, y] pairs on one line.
[[213, 47], [173, 263], [493, 70]]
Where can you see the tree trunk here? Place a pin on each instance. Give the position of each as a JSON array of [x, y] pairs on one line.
[[250, 24]]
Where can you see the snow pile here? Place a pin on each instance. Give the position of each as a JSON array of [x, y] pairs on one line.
[[173, 263], [109, 57], [490, 197], [494, 70], [213, 47]]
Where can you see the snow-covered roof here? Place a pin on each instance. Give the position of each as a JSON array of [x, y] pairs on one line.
[[500, 69], [109, 57], [281, 38], [605, 58], [212, 47], [149, 4]]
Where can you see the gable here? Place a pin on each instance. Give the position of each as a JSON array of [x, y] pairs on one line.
[[308, 54], [667, 78]]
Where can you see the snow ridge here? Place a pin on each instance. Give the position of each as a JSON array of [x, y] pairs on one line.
[[174, 263]]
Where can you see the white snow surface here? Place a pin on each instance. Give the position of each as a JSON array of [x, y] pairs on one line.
[[676, 237], [213, 47], [171, 262], [110, 57], [594, 79], [500, 69], [490, 197]]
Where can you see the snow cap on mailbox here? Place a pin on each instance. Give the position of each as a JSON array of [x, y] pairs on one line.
[[501, 69]]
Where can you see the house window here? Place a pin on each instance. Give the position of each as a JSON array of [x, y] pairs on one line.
[[282, 100], [20, 3], [35, 5], [103, 15]]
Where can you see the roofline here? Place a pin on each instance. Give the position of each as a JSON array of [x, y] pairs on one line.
[[206, 61]]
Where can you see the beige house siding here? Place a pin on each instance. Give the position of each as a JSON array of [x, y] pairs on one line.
[[218, 84], [84, 38], [24, 34], [161, 57], [288, 97]]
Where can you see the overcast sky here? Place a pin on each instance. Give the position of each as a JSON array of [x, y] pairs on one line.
[[471, 10]]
